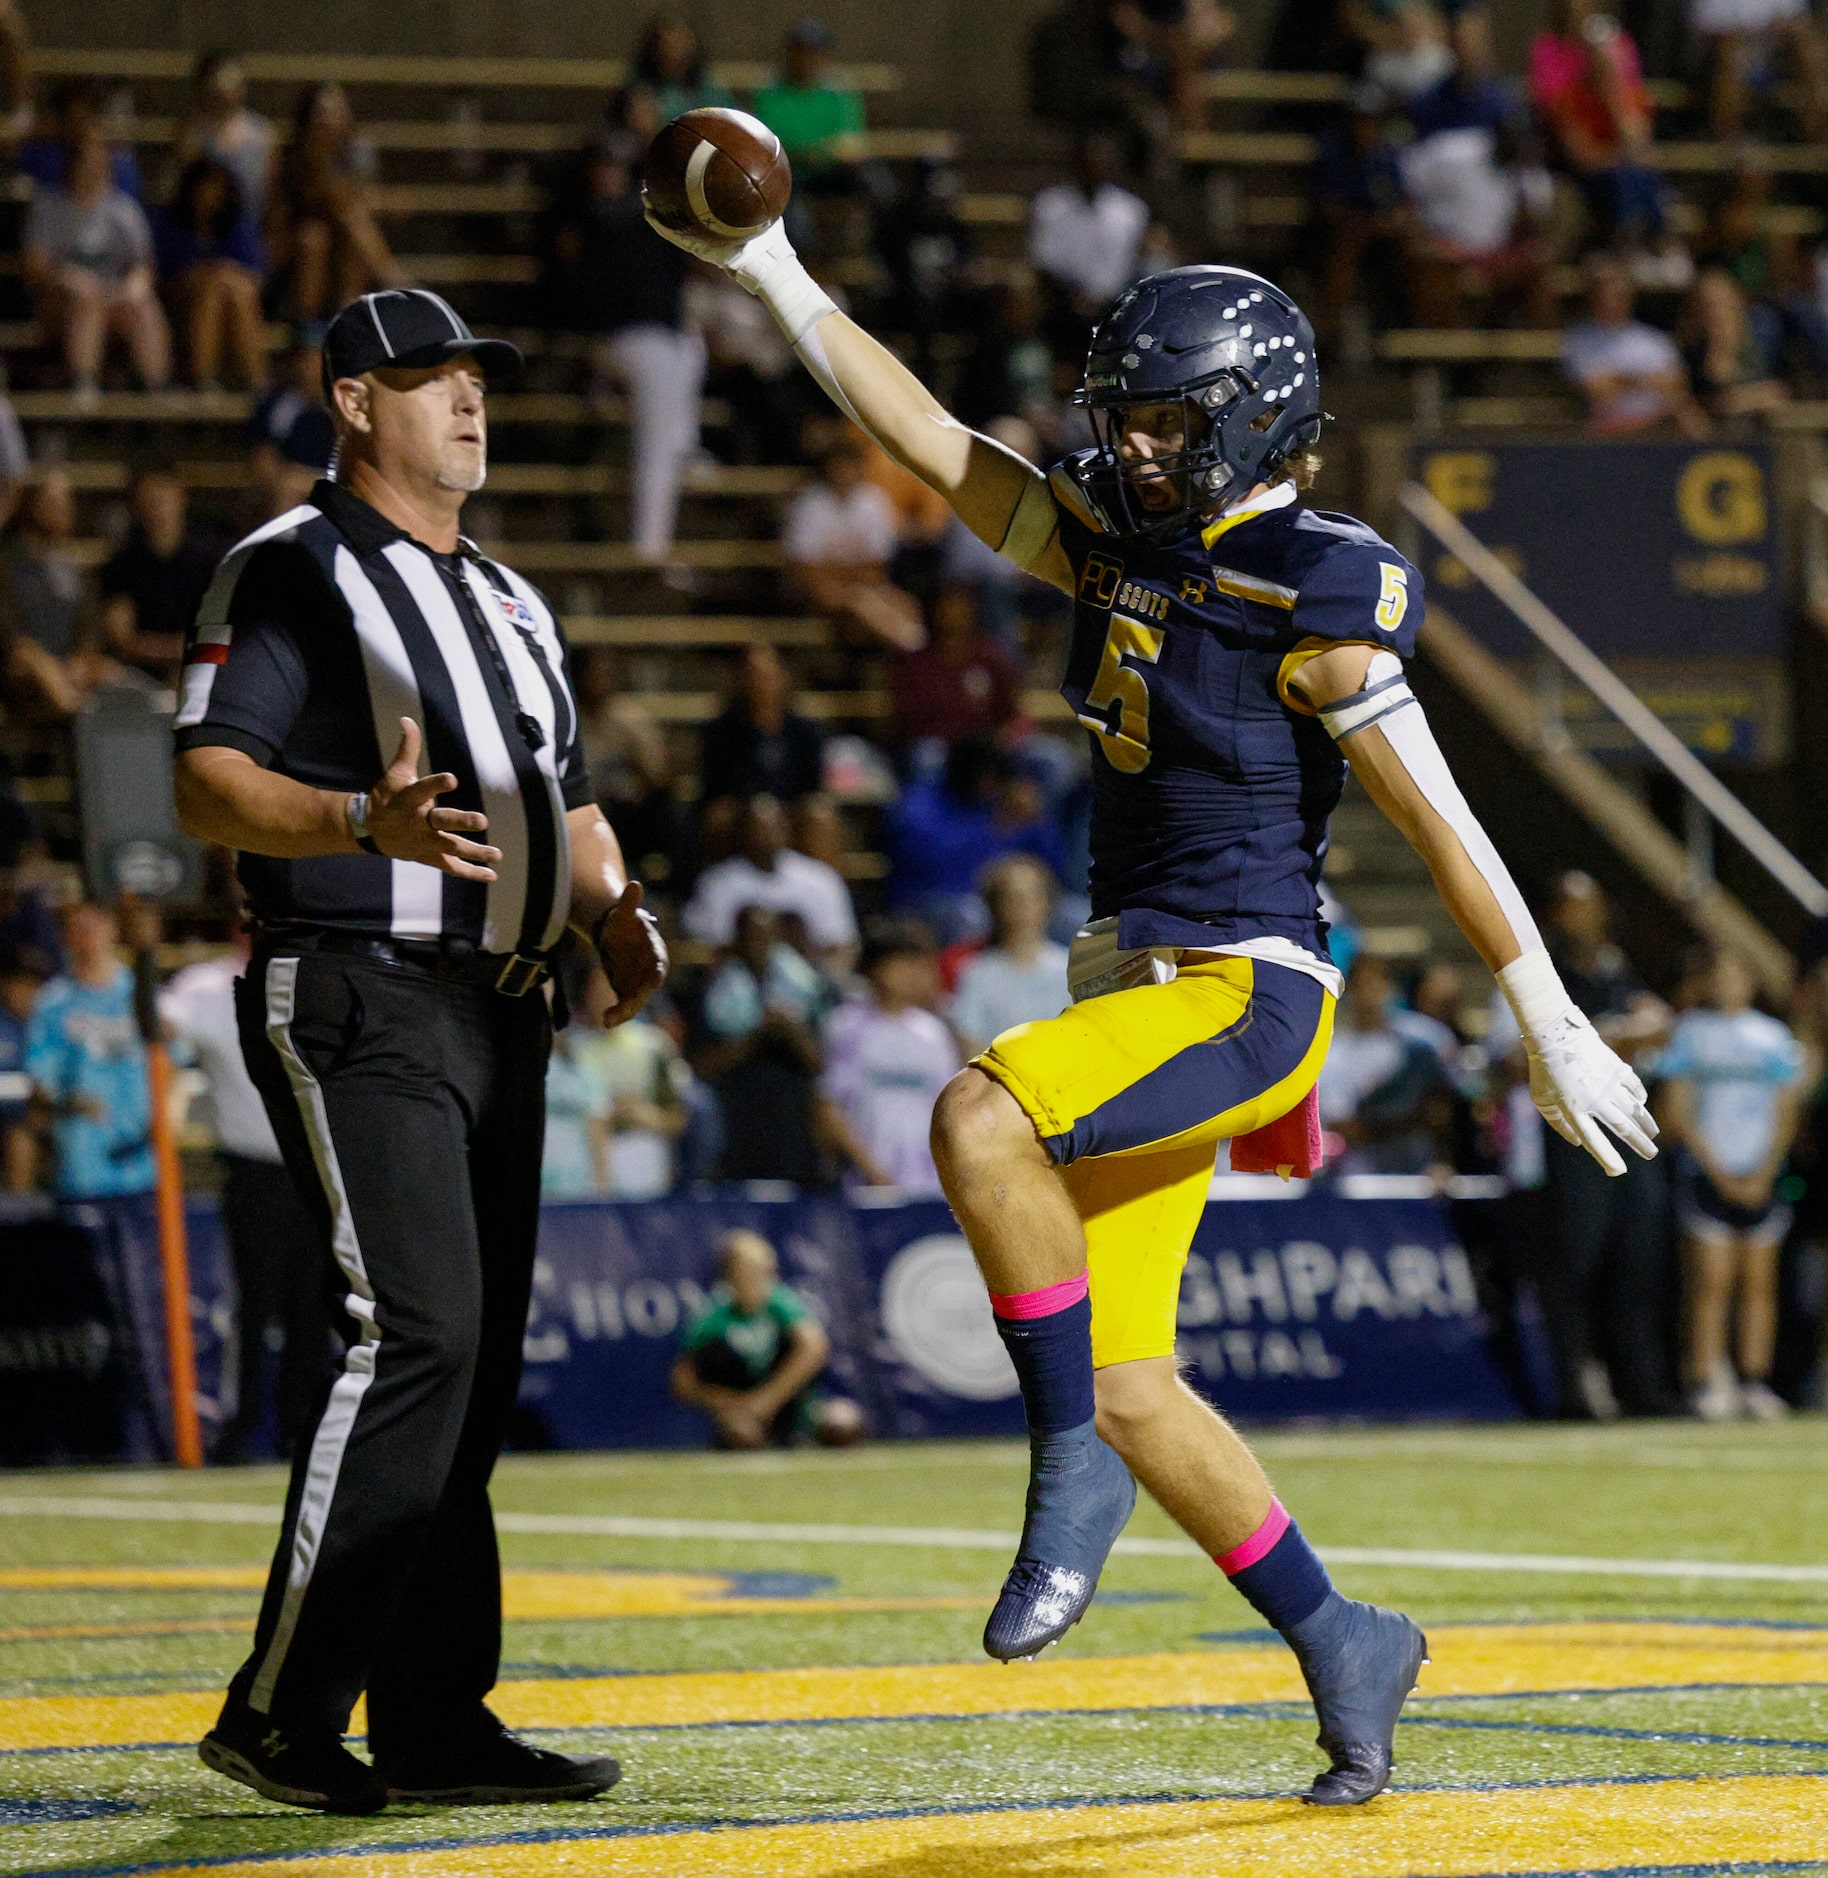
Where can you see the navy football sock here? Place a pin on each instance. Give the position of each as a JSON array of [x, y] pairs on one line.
[[1048, 1334], [1278, 1571]]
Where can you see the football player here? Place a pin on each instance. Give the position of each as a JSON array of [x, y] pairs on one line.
[[1231, 650]]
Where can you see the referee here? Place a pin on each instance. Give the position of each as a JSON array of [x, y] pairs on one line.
[[394, 1019]]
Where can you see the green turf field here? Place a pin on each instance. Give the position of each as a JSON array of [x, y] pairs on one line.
[[818, 1696]]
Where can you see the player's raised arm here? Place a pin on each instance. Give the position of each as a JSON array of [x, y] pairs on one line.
[[999, 497], [1581, 1085]]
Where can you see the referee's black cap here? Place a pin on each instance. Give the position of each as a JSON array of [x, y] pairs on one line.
[[406, 326]]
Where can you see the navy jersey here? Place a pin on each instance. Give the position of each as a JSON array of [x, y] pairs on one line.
[[1213, 785]]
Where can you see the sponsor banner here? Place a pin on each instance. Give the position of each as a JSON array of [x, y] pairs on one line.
[[1303, 1308]]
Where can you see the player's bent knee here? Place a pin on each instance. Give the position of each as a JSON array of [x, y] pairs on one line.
[[1133, 1396], [977, 1123]]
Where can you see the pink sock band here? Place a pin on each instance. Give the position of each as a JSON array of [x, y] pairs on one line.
[[1259, 1544], [1042, 1303]]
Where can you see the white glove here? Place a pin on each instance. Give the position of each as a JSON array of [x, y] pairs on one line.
[[1579, 1082], [764, 265]]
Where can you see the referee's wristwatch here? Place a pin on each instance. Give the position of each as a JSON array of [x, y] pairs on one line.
[[358, 823]]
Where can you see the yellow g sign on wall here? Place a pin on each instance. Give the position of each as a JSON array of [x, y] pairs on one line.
[[1720, 498], [1461, 480]]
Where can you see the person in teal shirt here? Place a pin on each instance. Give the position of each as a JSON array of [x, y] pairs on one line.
[[820, 125], [751, 1358], [87, 1062], [668, 74]]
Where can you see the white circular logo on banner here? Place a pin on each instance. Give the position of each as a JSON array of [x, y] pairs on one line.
[[937, 1315]]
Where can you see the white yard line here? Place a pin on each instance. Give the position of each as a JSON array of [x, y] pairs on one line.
[[943, 1538]]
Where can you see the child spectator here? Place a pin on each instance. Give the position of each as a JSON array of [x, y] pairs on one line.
[[960, 684], [212, 261], [1020, 977], [887, 1059], [88, 263], [152, 586], [752, 1360], [838, 539], [1728, 371], [1731, 1095], [1587, 89], [768, 873], [222, 128], [323, 232], [1630, 374]]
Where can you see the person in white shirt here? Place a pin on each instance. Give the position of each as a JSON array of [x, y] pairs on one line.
[[1085, 236], [1630, 374], [769, 873], [838, 539], [278, 1249], [1020, 977], [887, 1057]]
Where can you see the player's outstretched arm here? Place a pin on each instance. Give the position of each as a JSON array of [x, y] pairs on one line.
[[1000, 498], [1581, 1085]]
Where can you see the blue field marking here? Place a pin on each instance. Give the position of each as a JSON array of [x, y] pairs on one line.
[[1680, 1737], [61, 1812], [561, 1835]]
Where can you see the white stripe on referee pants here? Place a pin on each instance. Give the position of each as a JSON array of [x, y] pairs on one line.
[[393, 693], [332, 1437]]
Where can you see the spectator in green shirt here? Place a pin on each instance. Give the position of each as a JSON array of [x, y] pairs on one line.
[[819, 124], [751, 1360]]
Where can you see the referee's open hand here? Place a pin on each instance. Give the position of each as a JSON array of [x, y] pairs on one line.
[[404, 821], [633, 954]]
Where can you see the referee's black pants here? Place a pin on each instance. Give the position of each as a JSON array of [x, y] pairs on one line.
[[411, 1110]]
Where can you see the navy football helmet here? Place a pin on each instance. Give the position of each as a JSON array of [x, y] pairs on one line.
[[1236, 354]]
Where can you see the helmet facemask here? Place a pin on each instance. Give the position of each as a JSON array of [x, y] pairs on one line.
[[1158, 469]]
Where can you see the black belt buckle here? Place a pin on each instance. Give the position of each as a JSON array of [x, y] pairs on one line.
[[520, 975]]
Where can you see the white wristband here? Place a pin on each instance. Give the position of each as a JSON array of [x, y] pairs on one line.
[[1537, 996], [784, 287]]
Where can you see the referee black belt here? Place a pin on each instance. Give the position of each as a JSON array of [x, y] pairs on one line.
[[511, 973]]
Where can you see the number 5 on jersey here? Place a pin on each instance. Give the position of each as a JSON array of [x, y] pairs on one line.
[[1123, 732], [1393, 602]]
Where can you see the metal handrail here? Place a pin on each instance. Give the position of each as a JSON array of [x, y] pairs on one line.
[[1618, 697]]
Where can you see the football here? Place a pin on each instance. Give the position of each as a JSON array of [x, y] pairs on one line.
[[717, 172]]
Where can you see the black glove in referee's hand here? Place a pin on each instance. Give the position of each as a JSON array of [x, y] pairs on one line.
[[633, 953], [404, 822]]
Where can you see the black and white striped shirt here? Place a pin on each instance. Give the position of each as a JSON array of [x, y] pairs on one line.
[[318, 634]]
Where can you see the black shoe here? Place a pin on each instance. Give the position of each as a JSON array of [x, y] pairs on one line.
[[296, 1767], [487, 1766], [1360, 1663]]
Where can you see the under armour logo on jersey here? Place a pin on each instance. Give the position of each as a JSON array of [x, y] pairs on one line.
[[1193, 592], [518, 612]]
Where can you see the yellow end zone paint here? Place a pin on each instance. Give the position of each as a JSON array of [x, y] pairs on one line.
[[1572, 1829], [1468, 1660]]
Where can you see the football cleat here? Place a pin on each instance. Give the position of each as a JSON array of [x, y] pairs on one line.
[[293, 1766], [1080, 1497], [1360, 1663]]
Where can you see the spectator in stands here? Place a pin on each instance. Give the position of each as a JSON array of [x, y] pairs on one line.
[[1085, 237], [223, 128], [1768, 265], [752, 1359], [15, 455], [1020, 976], [887, 1057], [614, 1104], [276, 1247], [819, 120], [759, 744], [1359, 204], [1587, 89], [622, 284], [1384, 1089], [290, 432], [770, 874], [927, 248], [1729, 373], [20, 984], [1739, 37], [212, 261], [87, 1061], [1407, 49], [1008, 369], [322, 231], [75, 114], [1630, 374], [43, 599], [945, 830], [629, 762], [151, 587], [756, 1044], [1604, 1274], [88, 264], [669, 66], [961, 683], [838, 539], [1732, 1091]]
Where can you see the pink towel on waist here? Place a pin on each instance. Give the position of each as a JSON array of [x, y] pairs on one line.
[[1290, 1146]]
